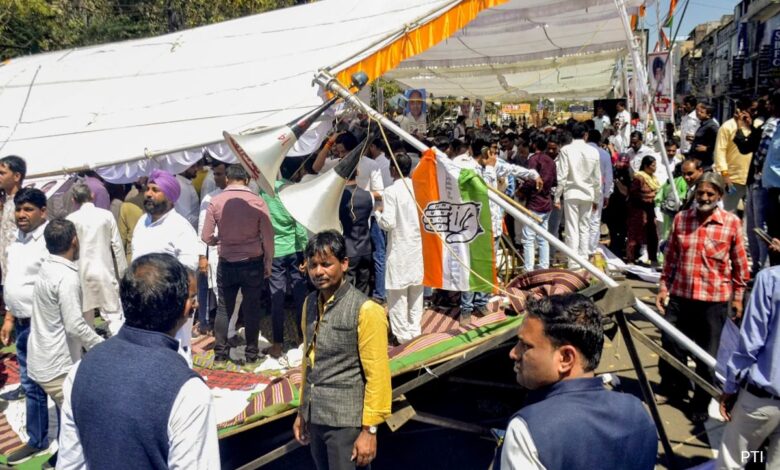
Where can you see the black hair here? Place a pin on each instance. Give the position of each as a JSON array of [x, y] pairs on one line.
[[691, 100], [236, 172], [15, 164], [59, 234], [380, 144], [154, 292], [658, 64], [637, 135], [81, 193], [460, 119], [696, 162], [36, 197], [553, 139], [708, 107], [329, 241], [404, 164], [571, 319], [744, 103], [441, 142], [673, 140], [540, 142], [348, 140], [565, 138], [621, 103], [594, 136], [456, 144], [476, 147], [774, 98], [647, 160], [217, 163]]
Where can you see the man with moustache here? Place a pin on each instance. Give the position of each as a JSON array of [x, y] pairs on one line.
[[344, 396], [163, 230], [25, 256], [558, 349], [705, 270]]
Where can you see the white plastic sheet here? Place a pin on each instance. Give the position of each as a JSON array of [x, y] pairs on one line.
[[526, 49], [114, 103]]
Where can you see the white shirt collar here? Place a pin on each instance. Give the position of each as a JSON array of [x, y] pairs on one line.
[[34, 235], [160, 221], [63, 261]]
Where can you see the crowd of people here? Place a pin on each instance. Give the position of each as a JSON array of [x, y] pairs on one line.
[[163, 261]]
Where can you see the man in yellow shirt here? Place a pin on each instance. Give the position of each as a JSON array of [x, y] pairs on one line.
[[729, 162], [344, 396]]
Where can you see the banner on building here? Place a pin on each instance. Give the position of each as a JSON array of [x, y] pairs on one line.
[[522, 108], [660, 77], [776, 48]]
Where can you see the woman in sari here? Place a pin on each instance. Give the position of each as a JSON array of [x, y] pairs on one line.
[[641, 212]]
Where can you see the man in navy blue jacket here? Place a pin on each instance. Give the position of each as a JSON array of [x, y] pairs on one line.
[[569, 420]]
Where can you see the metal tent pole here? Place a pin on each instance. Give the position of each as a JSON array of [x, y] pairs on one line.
[[641, 81], [326, 80]]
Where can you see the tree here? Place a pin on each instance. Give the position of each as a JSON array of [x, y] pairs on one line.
[[33, 26]]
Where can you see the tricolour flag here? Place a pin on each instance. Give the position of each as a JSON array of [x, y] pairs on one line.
[[455, 226], [670, 15]]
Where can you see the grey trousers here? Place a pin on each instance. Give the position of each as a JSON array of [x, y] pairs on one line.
[[331, 447], [753, 420]]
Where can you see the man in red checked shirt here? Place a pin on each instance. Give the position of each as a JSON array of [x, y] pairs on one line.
[[705, 268]]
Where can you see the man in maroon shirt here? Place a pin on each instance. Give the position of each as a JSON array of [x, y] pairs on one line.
[[539, 201], [239, 224]]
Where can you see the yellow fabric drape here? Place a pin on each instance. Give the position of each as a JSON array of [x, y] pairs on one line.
[[419, 40]]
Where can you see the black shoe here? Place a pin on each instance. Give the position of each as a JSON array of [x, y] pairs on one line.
[[15, 394], [699, 418], [220, 362], [482, 311], [51, 463], [234, 341], [23, 454]]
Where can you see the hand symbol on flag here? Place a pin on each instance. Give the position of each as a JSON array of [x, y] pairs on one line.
[[458, 223]]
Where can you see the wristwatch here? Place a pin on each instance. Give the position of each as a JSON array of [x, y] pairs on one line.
[[371, 430]]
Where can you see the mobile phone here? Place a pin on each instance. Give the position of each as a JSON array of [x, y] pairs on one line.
[[763, 235]]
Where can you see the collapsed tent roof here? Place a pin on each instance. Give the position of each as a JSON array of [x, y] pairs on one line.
[[525, 49], [115, 106], [99, 105]]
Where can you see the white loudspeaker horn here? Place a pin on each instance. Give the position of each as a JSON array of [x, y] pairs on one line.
[[261, 154], [315, 203]]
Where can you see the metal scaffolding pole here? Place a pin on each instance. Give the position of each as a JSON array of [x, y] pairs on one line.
[[640, 75], [327, 81]]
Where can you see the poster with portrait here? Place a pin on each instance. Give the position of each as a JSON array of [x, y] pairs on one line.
[[478, 113], [660, 75], [414, 119]]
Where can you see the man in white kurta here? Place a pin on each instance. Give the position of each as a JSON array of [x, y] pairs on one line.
[[188, 204], [163, 230], [403, 264], [102, 261], [622, 127]]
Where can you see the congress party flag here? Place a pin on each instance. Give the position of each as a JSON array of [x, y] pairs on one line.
[[455, 226]]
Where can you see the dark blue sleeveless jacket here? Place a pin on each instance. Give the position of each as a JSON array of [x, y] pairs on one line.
[[122, 397], [578, 424]]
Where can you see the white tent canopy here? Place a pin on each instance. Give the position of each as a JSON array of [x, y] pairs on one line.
[[525, 49], [116, 106], [96, 106]]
